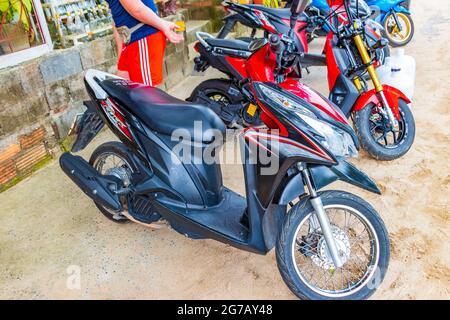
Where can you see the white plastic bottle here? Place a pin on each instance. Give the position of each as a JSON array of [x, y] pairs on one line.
[[399, 71]]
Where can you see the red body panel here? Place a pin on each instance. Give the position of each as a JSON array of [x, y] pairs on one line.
[[260, 65], [332, 67], [392, 96], [313, 97], [238, 64]]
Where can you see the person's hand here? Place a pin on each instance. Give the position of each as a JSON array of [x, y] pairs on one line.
[[169, 31]]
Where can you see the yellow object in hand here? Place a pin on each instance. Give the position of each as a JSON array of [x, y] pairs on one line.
[[181, 26]]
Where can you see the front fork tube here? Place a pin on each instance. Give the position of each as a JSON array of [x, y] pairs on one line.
[[398, 24], [373, 75], [320, 218]]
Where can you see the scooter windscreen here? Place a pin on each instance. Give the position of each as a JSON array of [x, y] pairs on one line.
[[340, 139]]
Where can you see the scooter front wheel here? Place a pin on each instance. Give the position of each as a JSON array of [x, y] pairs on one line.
[[379, 138], [362, 241]]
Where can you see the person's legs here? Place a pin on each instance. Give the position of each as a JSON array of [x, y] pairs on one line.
[[146, 62], [157, 46]]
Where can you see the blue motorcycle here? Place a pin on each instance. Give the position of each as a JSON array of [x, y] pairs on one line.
[[321, 8], [395, 17]]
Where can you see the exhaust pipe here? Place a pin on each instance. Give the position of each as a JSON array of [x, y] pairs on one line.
[[98, 187]]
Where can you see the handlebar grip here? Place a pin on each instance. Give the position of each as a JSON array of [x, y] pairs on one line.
[[275, 43]]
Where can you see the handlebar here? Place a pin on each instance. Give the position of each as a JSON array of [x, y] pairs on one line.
[[278, 48], [200, 37]]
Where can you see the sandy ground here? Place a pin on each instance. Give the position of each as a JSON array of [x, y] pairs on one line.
[[47, 225]]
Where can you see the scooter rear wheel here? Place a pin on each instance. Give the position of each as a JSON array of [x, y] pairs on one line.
[[362, 240], [111, 159]]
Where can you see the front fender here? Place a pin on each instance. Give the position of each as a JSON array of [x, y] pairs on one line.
[[323, 176], [392, 96], [344, 171]]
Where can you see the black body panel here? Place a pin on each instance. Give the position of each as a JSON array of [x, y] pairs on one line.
[[96, 186], [344, 171], [344, 94]]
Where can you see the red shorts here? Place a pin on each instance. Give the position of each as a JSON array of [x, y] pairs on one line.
[[143, 59]]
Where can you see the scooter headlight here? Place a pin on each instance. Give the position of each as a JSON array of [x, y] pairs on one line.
[[339, 142], [336, 140]]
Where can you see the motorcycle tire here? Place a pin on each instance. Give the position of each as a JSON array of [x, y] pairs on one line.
[[219, 87], [147, 214], [287, 242], [218, 90], [410, 23], [368, 141]]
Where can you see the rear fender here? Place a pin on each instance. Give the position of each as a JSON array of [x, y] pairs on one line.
[[87, 127], [392, 96]]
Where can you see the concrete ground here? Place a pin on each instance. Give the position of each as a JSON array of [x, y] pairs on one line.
[[50, 231]]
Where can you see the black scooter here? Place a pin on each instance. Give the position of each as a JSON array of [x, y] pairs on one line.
[[329, 245]]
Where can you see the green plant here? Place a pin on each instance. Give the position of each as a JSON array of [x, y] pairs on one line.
[[15, 11]]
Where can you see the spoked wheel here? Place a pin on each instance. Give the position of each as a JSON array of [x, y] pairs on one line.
[[112, 158], [379, 138], [399, 36], [362, 241], [383, 132], [109, 159]]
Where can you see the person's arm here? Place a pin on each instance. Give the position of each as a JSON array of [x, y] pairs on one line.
[[144, 14], [117, 39]]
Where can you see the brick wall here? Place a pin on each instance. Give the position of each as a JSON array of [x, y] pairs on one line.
[[19, 157]]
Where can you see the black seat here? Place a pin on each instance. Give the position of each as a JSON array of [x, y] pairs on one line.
[[279, 13], [228, 43], [162, 112]]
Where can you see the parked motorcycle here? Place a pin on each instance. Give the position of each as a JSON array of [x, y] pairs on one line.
[[321, 8], [329, 245], [391, 17], [275, 20], [396, 19], [384, 121], [382, 115]]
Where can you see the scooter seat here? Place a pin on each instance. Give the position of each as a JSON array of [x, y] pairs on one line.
[[228, 43], [164, 113], [277, 12]]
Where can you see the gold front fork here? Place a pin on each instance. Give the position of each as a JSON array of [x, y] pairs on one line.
[[366, 60], [373, 75], [358, 84]]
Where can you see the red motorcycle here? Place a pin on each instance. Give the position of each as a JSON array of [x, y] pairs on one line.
[[382, 116], [277, 20]]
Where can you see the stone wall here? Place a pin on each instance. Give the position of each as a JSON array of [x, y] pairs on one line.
[[40, 98]]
